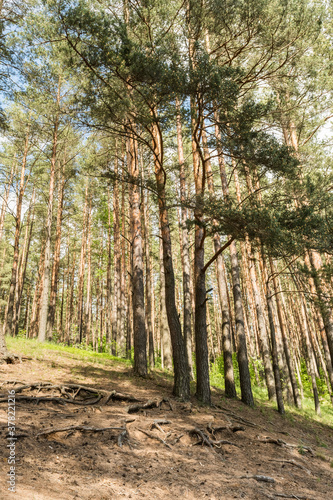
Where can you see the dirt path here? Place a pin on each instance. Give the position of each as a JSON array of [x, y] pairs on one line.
[[83, 464]]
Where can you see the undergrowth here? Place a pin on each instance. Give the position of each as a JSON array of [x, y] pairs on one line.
[[38, 350], [261, 398]]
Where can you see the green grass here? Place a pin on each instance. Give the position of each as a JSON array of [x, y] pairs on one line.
[[38, 350], [262, 403]]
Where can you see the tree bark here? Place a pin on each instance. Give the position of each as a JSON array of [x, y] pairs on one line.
[[56, 257], [110, 339], [81, 270], [87, 313], [5, 197], [23, 265], [139, 328], [229, 380], [187, 305], [47, 257], [289, 359], [8, 321], [242, 356], [148, 284], [181, 386]]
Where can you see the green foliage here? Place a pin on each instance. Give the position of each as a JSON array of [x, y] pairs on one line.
[[260, 392]]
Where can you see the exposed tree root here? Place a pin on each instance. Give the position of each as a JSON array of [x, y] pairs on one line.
[[72, 393], [231, 428], [152, 436], [38, 399], [82, 428], [286, 495], [237, 417], [157, 424], [280, 442], [148, 405], [178, 438], [9, 358], [121, 439], [293, 462], [209, 442]]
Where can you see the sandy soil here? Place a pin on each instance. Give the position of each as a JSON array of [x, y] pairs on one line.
[[91, 465]]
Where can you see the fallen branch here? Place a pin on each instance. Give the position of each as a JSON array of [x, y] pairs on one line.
[[265, 479]]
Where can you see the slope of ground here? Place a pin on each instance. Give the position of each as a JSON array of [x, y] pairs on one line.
[[257, 454]]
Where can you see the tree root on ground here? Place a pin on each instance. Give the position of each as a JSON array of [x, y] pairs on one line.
[[293, 462], [152, 436], [72, 393], [122, 437], [231, 428], [37, 399], [148, 405], [283, 444], [236, 417], [157, 424], [9, 358], [205, 439], [273, 496]]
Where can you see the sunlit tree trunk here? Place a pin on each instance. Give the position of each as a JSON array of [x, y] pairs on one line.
[[148, 283], [82, 270], [47, 257], [181, 386], [8, 322], [37, 296], [187, 306], [289, 358], [242, 356], [23, 265], [139, 328], [56, 256], [87, 313], [5, 197], [229, 381]]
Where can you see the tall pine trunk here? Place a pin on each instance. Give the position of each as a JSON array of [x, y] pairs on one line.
[[47, 257], [56, 256], [138, 305], [187, 305], [229, 379], [8, 322], [181, 387], [242, 356]]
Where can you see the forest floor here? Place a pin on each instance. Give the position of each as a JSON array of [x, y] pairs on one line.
[[264, 454]]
